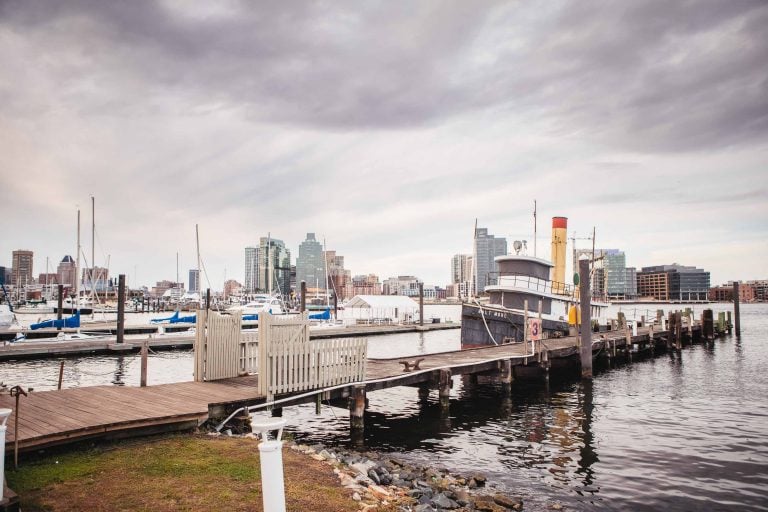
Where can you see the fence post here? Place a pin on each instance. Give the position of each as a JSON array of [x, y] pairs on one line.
[[4, 414]]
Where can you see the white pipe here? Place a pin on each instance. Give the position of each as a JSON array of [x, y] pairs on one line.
[[4, 414]]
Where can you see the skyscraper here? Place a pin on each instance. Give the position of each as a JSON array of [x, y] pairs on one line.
[[487, 247], [22, 268], [251, 269], [66, 271], [274, 269], [461, 274], [310, 265]]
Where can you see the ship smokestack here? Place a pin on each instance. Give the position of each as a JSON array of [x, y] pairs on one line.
[[559, 241]]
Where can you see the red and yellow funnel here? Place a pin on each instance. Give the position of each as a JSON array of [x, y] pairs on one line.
[[559, 244]]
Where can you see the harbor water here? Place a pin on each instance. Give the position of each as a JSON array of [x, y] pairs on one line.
[[685, 431]]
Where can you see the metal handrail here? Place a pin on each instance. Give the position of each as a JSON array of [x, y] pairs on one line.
[[532, 283]]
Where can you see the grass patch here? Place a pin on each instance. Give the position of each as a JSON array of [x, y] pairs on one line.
[[179, 472]]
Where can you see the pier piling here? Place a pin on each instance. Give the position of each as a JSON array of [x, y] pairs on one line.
[[736, 312], [61, 374], [60, 303], [444, 388], [120, 308], [708, 324], [144, 353], [586, 319], [357, 409], [421, 303], [303, 298]]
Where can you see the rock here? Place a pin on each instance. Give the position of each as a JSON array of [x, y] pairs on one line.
[[374, 476], [514, 503], [362, 467], [317, 456], [556, 506], [356, 496], [424, 499], [479, 479], [442, 501], [472, 484], [424, 507], [462, 497], [326, 454], [379, 492]]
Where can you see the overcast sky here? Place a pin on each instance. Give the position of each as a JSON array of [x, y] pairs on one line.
[[384, 127]]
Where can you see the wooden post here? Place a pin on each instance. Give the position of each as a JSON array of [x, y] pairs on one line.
[[335, 306], [61, 374], [421, 303], [277, 412], [144, 354], [506, 371], [318, 403], [736, 313], [444, 389], [708, 324], [423, 393], [120, 308], [357, 409], [60, 302], [207, 298], [729, 325], [303, 298], [678, 330], [586, 319]]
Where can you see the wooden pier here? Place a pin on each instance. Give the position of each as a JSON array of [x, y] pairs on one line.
[[50, 418]]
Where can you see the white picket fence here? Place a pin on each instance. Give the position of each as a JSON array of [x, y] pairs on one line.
[[280, 351], [290, 361]]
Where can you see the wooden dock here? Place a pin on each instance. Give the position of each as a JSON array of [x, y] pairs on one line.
[[55, 417]]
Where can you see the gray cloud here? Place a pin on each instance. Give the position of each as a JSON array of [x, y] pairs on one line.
[[651, 75]]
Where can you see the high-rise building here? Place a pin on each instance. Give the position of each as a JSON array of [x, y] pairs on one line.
[[487, 247], [96, 278], [194, 280], [461, 274], [673, 282], [401, 285], [339, 279], [66, 271], [2, 275], [310, 266], [22, 268], [251, 269], [274, 269]]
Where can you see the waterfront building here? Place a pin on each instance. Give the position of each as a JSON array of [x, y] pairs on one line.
[[339, 279], [251, 269], [2, 276], [724, 293], [620, 280], [487, 247], [22, 268], [761, 289], [66, 271], [673, 283], [366, 285], [274, 269], [310, 265], [194, 281]]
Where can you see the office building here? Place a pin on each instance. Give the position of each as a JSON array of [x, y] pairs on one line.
[[194, 281], [251, 269], [67, 272], [673, 283], [274, 268], [366, 285], [22, 268], [487, 247], [310, 265]]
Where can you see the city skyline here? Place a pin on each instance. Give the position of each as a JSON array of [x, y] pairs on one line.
[[385, 130]]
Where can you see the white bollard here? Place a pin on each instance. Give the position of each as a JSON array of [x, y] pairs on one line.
[[4, 414], [271, 456]]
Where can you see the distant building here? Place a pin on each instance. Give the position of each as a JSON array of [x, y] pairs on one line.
[[310, 265], [673, 283], [620, 281], [67, 272], [48, 279], [407, 286], [366, 285], [761, 289], [22, 268], [339, 279], [274, 269], [194, 280], [2, 276], [461, 275], [251, 269], [232, 288], [724, 293], [96, 278], [487, 247], [163, 286]]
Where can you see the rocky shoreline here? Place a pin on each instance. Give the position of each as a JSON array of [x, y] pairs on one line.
[[382, 480]]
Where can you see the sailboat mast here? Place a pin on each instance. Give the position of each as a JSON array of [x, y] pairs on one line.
[[93, 246], [325, 258], [268, 270], [77, 263], [472, 285], [535, 233], [197, 248]]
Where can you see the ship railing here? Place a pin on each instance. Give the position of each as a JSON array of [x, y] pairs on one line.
[[534, 284]]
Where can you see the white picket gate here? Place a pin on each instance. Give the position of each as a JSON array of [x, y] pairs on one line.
[[222, 351], [289, 361]]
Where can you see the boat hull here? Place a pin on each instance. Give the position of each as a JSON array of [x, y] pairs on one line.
[[71, 311], [506, 326]]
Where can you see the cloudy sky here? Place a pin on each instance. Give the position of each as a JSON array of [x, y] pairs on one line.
[[385, 127]]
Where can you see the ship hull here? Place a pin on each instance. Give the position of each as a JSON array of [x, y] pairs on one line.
[[504, 325]]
